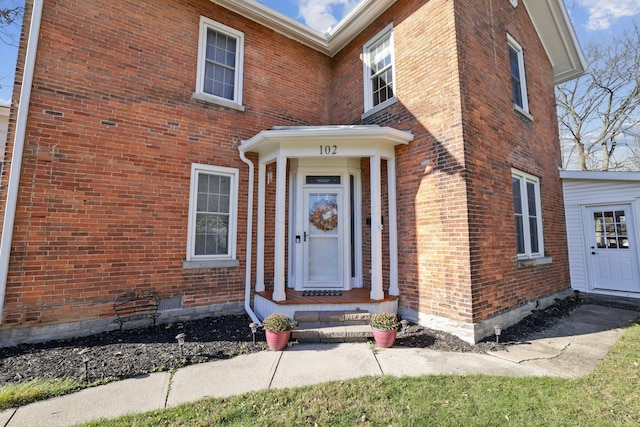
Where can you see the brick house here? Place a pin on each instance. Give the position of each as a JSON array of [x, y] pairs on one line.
[[233, 159]]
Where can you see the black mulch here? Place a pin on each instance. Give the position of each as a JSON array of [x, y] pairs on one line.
[[117, 355]]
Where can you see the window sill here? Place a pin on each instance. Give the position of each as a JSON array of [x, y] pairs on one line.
[[522, 112], [210, 99], [211, 264], [379, 107], [533, 262]]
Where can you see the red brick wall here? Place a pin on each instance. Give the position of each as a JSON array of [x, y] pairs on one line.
[[457, 249], [111, 137], [498, 138], [113, 132], [434, 272]]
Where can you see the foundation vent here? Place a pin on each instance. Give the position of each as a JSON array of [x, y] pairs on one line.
[[170, 304]]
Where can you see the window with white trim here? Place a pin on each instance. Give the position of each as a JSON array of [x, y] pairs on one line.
[[528, 214], [212, 213], [220, 64], [518, 81], [379, 70]]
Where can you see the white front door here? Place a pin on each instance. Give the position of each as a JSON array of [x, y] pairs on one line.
[[613, 249], [323, 252]]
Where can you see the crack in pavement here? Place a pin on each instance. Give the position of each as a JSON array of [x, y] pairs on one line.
[[520, 362]]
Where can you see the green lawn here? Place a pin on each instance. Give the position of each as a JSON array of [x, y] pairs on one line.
[[609, 396]]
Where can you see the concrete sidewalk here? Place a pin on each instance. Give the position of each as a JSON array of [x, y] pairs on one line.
[[572, 348]]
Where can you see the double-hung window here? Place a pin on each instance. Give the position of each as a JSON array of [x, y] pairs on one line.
[[220, 64], [528, 215], [212, 213], [518, 81], [379, 71]]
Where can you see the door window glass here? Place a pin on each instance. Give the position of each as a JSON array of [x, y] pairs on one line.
[[611, 230]]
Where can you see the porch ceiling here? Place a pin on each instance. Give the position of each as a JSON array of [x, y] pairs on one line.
[[344, 141]]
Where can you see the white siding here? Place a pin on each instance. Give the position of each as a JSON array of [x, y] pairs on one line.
[[591, 191]]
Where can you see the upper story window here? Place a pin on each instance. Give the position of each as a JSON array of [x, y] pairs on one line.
[[220, 64], [518, 81], [528, 214], [212, 213], [379, 71]]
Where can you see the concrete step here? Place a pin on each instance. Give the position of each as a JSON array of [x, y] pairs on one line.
[[332, 326]]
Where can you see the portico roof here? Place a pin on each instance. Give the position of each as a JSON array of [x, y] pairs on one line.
[[312, 141]]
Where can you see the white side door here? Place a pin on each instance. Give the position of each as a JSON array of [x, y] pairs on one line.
[[612, 249]]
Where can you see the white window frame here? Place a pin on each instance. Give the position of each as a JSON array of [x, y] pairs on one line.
[[196, 170], [525, 178], [514, 3], [524, 108], [369, 108], [200, 94]]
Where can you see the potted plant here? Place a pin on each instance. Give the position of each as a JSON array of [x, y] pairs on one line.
[[385, 328], [277, 328]]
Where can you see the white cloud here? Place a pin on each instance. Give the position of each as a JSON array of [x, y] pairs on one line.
[[323, 14], [5, 102], [604, 13]]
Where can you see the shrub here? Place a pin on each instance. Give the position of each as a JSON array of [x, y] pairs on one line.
[[277, 322], [385, 321]]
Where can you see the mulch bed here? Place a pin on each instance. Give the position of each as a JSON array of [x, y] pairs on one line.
[[118, 355]]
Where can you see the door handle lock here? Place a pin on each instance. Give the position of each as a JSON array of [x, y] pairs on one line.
[[305, 236], [593, 253]]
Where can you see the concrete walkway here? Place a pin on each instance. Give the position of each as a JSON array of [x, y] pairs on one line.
[[572, 348]]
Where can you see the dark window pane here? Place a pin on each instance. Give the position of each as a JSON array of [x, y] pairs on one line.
[[519, 234], [531, 198], [219, 79], [533, 232], [212, 219], [513, 63], [517, 198], [516, 86]]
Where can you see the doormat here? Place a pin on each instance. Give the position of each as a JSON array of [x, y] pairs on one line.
[[322, 293]]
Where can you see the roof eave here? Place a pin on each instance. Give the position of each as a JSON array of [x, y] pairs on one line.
[[600, 175], [549, 18], [330, 43], [552, 23], [278, 22]]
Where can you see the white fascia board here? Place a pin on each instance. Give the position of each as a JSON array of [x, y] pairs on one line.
[[600, 176], [549, 17], [329, 43], [555, 30], [278, 22], [354, 22]]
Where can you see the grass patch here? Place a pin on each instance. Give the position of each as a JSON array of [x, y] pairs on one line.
[[38, 389], [609, 396]]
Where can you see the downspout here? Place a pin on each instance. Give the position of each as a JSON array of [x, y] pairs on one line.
[[247, 286], [18, 149]]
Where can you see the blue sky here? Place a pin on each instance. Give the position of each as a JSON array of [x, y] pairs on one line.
[[591, 19]]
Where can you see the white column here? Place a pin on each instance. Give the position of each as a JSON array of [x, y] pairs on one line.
[[393, 228], [280, 214], [260, 229], [377, 292]]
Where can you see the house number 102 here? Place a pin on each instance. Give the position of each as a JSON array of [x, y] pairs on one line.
[[328, 150]]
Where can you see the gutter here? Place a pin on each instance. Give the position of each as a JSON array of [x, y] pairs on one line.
[[18, 149], [247, 286]]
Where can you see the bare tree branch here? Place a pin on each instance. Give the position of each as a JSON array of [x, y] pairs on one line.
[[601, 110], [10, 21]]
